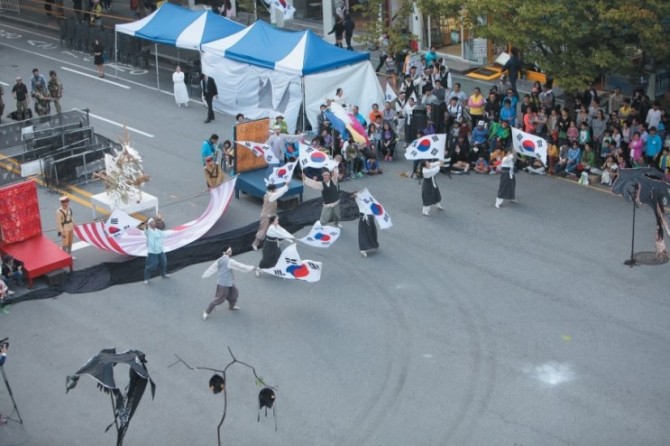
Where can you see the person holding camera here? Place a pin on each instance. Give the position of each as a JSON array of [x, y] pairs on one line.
[[12, 270]]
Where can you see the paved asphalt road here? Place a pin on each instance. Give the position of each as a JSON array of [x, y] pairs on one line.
[[475, 326]]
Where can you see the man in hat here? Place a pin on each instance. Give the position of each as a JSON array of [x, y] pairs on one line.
[[330, 194], [213, 173], [278, 140], [225, 283], [283, 128], [269, 208], [55, 90], [156, 257], [65, 223]]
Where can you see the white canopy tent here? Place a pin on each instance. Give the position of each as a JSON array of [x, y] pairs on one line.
[[263, 71], [179, 27]]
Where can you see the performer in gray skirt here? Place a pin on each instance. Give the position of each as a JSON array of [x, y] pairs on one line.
[[430, 193], [271, 251], [507, 180]]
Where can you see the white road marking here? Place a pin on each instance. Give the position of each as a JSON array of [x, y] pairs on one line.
[[80, 245], [95, 77], [25, 30], [109, 121]]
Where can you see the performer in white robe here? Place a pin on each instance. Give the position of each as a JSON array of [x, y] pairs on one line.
[[180, 92], [430, 193]]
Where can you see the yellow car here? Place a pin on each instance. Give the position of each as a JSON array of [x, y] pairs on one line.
[[492, 72]]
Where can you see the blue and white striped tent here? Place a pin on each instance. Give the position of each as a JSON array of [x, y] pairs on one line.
[[181, 27], [263, 71]]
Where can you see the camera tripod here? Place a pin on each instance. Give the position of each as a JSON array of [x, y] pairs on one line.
[[11, 395]]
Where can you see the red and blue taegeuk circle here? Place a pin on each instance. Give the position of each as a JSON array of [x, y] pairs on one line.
[[318, 157], [322, 237], [298, 271], [376, 209], [528, 145], [424, 145]]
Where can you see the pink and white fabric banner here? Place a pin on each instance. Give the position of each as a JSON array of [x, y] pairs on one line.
[[260, 150], [133, 242], [369, 206], [290, 266], [321, 236]]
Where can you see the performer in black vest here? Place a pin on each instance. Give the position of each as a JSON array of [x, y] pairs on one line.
[[330, 194]]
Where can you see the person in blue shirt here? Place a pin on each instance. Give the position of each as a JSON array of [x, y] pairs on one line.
[[208, 148], [508, 113], [653, 146], [156, 257], [431, 56], [359, 116], [574, 155]]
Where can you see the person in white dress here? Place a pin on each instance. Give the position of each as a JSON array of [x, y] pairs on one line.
[[180, 93]]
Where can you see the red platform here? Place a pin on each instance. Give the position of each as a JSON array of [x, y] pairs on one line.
[[39, 255]]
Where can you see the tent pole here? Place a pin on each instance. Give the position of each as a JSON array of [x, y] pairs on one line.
[[116, 55], [304, 105], [158, 80]]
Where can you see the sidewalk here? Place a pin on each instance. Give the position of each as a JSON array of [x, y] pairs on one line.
[[32, 14]]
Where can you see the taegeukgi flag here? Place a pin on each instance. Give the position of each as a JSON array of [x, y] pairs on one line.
[[290, 266], [369, 206], [321, 236], [261, 150], [282, 174], [529, 145], [427, 147]]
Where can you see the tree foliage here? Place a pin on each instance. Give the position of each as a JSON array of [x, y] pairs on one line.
[[377, 24], [575, 42]]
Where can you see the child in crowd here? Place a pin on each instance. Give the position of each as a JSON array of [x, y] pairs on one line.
[[372, 165], [573, 132], [481, 165]]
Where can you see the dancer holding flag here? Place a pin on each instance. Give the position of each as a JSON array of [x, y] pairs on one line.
[[271, 251], [225, 284], [268, 209], [330, 194], [507, 180], [430, 193], [370, 210]]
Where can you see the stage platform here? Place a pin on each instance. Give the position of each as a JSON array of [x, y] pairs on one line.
[[103, 201], [39, 255], [253, 184]]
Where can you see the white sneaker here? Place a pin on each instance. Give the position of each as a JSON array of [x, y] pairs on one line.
[[364, 254], [146, 282], [339, 225], [439, 206], [254, 247], [10, 292], [167, 276], [257, 272], [425, 214], [235, 308], [205, 316], [497, 206]]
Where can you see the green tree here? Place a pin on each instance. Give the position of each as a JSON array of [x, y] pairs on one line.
[[373, 11], [575, 42]]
